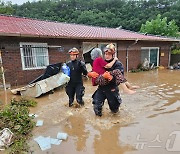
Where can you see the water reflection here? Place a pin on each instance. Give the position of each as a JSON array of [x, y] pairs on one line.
[[153, 109], [76, 127], [108, 142]]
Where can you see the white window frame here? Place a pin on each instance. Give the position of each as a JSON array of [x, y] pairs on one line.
[[149, 53], [45, 47]]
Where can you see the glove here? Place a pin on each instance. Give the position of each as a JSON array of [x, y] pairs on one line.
[[93, 74], [108, 76]]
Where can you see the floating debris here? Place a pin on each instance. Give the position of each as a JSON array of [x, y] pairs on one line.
[[33, 115], [39, 123], [5, 138], [62, 136], [44, 142]]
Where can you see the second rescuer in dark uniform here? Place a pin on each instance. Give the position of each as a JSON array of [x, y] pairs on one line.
[[75, 85], [111, 90]]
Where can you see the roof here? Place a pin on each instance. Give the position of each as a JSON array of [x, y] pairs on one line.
[[26, 27]]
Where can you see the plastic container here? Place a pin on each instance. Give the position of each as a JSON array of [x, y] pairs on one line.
[[65, 69]]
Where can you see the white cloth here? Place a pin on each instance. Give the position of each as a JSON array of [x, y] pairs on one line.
[[88, 47]]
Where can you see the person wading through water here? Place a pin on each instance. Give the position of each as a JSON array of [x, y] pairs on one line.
[[110, 90], [75, 85], [99, 68]]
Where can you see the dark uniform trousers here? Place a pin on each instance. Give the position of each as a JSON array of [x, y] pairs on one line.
[[75, 85], [112, 96], [75, 88], [109, 92]]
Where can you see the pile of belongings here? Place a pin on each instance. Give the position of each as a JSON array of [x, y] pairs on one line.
[[51, 79], [175, 66]]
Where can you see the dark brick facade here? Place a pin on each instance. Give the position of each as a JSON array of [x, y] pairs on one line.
[[12, 59], [134, 52]]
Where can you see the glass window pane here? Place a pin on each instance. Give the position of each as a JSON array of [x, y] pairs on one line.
[[153, 56], [35, 55], [144, 54]]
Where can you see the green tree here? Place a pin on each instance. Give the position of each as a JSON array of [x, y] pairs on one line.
[[6, 8], [128, 14], [160, 26]]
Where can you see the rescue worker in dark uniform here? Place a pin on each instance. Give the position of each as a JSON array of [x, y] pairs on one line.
[[109, 91], [75, 85]]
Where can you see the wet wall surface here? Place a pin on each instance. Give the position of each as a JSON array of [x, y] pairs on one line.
[[148, 121]]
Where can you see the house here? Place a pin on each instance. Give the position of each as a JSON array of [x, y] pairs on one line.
[[29, 45]]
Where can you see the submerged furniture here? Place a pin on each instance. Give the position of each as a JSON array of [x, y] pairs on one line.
[[52, 78]]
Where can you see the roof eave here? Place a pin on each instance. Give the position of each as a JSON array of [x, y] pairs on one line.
[[88, 38]]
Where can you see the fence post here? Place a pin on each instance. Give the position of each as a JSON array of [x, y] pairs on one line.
[[2, 70]]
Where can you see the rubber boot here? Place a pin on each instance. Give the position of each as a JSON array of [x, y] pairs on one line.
[[70, 102], [97, 110]]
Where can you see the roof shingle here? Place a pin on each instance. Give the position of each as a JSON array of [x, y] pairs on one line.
[[18, 26]]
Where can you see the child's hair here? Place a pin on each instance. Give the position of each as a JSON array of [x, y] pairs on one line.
[[95, 53]]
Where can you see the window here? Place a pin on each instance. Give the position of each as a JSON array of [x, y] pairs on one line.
[[151, 54], [34, 55]]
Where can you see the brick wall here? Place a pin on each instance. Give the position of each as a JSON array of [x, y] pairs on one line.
[[134, 52], [16, 76], [12, 59], [164, 50], [164, 55], [13, 69]]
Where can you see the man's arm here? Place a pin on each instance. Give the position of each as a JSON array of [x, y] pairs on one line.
[[119, 66], [109, 65]]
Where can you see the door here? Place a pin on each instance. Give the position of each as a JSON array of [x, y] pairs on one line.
[[151, 54], [154, 56]]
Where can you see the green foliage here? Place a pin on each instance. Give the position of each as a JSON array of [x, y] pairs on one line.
[[129, 14], [139, 68], [6, 8], [24, 102], [160, 26], [19, 147], [15, 116], [176, 51]]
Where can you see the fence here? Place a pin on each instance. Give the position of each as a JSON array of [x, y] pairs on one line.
[[175, 58]]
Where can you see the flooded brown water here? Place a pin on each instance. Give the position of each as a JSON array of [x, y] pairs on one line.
[[148, 121]]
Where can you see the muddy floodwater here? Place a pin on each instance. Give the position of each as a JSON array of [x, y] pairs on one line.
[[148, 121]]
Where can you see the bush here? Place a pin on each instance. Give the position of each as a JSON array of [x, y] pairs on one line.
[[139, 68], [175, 51], [133, 70], [15, 116], [24, 102]]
